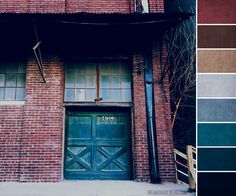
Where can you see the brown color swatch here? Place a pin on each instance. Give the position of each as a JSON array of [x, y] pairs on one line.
[[216, 11], [216, 36], [217, 61]]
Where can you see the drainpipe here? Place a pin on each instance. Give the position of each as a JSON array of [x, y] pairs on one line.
[[141, 6], [151, 125], [145, 6]]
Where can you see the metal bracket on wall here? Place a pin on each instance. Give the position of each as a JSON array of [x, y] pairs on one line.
[[140, 67], [37, 53], [39, 60]]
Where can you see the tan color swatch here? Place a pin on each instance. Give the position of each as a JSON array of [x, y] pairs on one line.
[[217, 61]]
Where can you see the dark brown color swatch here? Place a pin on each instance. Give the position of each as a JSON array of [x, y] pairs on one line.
[[216, 11], [216, 36], [217, 61]]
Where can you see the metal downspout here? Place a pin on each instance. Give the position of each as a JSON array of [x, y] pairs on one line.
[[151, 125], [141, 6]]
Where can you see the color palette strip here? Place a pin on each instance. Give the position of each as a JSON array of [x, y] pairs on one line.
[[216, 97]]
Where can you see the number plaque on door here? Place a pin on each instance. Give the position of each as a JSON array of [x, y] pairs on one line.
[[107, 118]]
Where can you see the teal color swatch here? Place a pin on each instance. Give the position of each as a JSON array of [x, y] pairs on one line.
[[216, 134]]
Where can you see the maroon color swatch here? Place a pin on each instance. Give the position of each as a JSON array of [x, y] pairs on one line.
[[216, 11]]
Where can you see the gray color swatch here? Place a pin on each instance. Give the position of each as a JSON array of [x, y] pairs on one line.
[[216, 85], [216, 110]]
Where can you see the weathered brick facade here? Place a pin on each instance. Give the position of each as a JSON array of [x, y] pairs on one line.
[[140, 128], [163, 119], [67, 6], [73, 6], [11, 121], [41, 144], [32, 133]]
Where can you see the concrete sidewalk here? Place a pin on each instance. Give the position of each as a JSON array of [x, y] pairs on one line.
[[93, 188]]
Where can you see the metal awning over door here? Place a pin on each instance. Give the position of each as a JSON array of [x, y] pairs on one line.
[[57, 30]]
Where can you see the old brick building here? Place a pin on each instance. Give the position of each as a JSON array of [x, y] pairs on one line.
[[84, 103]]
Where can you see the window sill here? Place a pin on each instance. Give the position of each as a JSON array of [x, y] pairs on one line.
[[12, 103], [105, 104]]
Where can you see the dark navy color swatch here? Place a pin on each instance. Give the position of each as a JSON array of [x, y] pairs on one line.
[[216, 134], [216, 184], [217, 159], [216, 110]]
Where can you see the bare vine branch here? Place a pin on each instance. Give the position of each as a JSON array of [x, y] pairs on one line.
[[180, 64]]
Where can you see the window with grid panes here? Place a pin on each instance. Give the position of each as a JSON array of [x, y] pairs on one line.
[[12, 81], [109, 82]]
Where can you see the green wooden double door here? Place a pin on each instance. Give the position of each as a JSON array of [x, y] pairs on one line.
[[98, 146]]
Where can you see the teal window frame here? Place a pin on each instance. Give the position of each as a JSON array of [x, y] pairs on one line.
[[12, 81], [102, 82]]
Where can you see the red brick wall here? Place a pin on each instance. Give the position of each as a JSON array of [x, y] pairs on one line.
[[141, 157], [41, 156], [45, 6], [71, 6], [163, 120], [10, 136], [156, 6], [99, 6], [62, 6], [14, 6]]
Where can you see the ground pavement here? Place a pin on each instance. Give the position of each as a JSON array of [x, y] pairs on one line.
[[93, 188]]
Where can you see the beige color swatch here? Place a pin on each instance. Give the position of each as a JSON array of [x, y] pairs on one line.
[[217, 61]]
